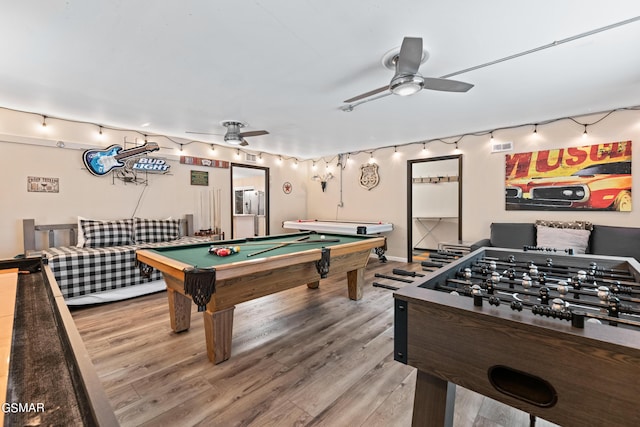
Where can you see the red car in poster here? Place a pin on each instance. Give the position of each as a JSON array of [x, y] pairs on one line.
[[604, 186]]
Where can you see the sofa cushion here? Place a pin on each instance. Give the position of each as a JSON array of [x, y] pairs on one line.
[[513, 235], [563, 238], [155, 230], [616, 241]]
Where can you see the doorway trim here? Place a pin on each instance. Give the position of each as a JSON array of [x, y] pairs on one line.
[[266, 192], [410, 164]]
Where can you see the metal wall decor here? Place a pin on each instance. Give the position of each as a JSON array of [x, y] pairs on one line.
[[369, 177]]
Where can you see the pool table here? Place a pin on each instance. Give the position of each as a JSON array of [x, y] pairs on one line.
[[263, 266]]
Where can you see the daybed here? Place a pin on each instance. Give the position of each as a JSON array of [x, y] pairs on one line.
[[581, 236], [99, 263]]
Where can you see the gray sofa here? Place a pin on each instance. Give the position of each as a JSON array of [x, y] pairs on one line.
[[604, 239]]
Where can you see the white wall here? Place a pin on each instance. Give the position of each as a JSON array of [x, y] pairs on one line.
[[482, 181], [83, 194], [100, 197]]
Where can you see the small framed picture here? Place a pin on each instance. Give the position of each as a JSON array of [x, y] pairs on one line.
[[39, 184], [199, 178]]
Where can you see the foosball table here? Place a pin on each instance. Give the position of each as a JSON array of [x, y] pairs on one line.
[[552, 334]]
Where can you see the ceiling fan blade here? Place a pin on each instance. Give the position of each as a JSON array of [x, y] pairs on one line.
[[244, 143], [446, 85], [410, 56], [253, 133], [368, 94]]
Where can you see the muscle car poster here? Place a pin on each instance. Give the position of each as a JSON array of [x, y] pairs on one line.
[[591, 177]]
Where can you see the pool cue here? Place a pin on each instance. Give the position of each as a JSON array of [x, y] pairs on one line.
[[278, 246], [293, 242]]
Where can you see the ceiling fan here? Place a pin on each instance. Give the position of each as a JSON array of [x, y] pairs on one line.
[[233, 135], [407, 80]]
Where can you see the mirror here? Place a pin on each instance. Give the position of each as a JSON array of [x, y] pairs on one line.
[[434, 204], [249, 201]]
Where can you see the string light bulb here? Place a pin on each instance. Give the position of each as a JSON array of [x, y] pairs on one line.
[[44, 121], [313, 165], [584, 134], [371, 159], [213, 147], [491, 140], [535, 128]]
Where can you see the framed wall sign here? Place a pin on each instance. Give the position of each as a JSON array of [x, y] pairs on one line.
[[591, 177], [38, 184], [199, 178]]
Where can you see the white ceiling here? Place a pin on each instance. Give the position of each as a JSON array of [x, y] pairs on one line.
[[287, 66]]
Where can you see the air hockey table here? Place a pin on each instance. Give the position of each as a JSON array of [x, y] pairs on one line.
[[343, 227]]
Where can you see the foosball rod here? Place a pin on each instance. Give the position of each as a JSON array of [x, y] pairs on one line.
[[399, 279], [523, 269], [382, 285], [467, 292], [444, 256], [400, 272], [586, 288], [561, 270], [596, 305], [559, 267], [432, 264]]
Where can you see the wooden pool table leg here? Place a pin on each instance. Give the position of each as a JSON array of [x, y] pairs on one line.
[[218, 329], [355, 282], [179, 310]]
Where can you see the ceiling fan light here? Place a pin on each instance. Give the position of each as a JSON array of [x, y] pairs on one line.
[[406, 85], [232, 139]]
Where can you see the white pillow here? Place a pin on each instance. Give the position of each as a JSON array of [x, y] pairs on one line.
[[563, 238]]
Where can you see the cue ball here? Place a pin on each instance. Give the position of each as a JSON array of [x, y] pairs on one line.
[[322, 237]]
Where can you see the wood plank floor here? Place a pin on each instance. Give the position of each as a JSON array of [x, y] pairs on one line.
[[302, 357]]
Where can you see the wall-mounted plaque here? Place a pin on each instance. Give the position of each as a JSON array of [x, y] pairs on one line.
[[38, 184], [199, 178]]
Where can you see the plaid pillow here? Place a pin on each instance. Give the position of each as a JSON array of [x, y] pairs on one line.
[[155, 230], [101, 234]]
